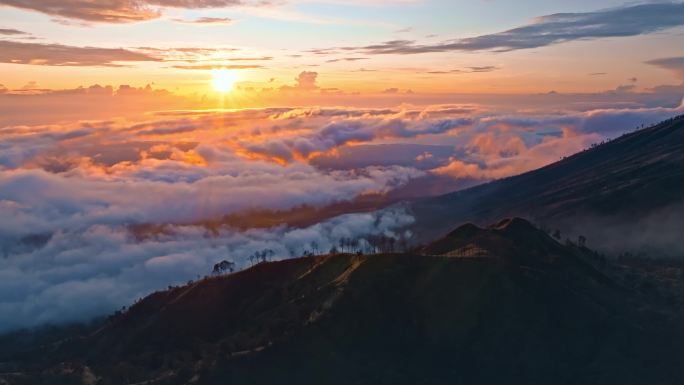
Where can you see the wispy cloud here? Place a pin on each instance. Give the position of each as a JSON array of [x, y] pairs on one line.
[[674, 64], [347, 59], [207, 67], [206, 20], [479, 69], [113, 11], [552, 29], [188, 54], [65, 55], [12, 32], [256, 58]]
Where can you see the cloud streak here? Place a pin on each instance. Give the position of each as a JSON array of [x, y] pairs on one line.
[[207, 21], [552, 29], [64, 55], [12, 32], [209, 67], [113, 11], [674, 64]]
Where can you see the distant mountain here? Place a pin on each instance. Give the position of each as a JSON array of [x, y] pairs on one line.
[[502, 304], [627, 184]]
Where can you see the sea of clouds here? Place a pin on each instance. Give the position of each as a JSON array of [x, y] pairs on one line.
[[70, 192]]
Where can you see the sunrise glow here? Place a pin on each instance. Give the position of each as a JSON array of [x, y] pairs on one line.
[[324, 192], [223, 80]]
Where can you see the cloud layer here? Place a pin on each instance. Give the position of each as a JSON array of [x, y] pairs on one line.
[[71, 194]]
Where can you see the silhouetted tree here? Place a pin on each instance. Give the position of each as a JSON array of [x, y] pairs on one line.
[[345, 244], [223, 267], [582, 241], [382, 242], [354, 244], [403, 244], [265, 255], [372, 243]]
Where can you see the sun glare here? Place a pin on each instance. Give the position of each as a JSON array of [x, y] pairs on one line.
[[223, 80]]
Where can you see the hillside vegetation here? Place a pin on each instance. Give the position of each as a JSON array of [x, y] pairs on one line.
[[524, 309]]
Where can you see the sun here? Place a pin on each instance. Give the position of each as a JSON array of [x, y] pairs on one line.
[[223, 80]]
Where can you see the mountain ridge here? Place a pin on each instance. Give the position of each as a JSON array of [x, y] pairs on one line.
[[388, 319], [622, 180]]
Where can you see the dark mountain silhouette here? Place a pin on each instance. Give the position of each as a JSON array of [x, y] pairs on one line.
[[523, 309], [620, 182]]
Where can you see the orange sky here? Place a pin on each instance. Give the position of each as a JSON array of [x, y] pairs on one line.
[[367, 48]]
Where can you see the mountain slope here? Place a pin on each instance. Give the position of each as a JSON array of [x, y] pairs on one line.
[[623, 181], [528, 311]]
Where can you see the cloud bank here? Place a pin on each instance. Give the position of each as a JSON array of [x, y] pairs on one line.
[[71, 194]]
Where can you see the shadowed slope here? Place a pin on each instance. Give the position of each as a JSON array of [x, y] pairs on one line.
[[530, 311], [625, 179]]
